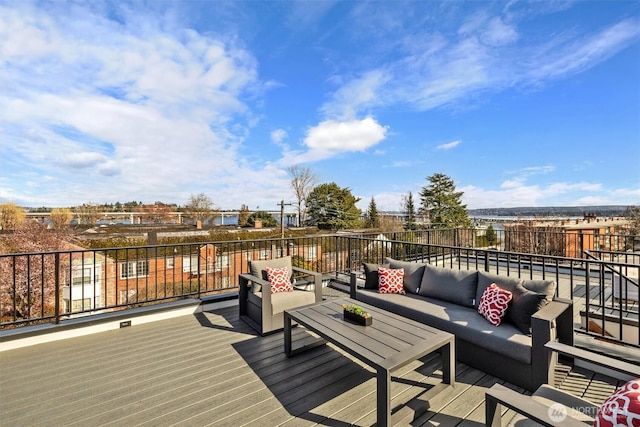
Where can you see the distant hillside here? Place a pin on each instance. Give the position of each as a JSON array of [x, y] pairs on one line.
[[569, 211]]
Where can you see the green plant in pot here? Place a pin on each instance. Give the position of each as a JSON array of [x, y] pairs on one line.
[[357, 314]]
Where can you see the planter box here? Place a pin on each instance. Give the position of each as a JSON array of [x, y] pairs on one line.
[[364, 321]]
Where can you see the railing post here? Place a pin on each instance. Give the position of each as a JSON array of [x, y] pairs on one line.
[[486, 260], [57, 289]]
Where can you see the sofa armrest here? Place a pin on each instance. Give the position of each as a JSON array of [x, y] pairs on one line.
[[625, 368], [317, 281], [499, 395], [353, 285], [551, 323]]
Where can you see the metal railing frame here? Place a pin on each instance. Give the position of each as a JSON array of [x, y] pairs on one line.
[[337, 254]]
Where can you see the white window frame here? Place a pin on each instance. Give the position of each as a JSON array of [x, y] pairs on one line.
[[223, 261], [134, 269], [190, 264]]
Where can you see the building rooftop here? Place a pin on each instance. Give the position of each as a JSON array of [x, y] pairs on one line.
[[210, 368]]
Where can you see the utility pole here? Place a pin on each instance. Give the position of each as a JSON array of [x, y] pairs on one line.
[[282, 205]]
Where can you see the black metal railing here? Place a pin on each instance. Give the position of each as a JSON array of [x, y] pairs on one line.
[[53, 286]]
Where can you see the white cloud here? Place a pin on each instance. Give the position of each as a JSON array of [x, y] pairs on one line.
[[497, 33], [572, 56], [486, 55], [88, 98], [356, 95], [330, 138], [278, 135], [449, 145], [516, 193]]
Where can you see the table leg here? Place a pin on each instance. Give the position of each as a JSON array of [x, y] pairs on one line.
[[383, 397], [287, 334], [449, 363]]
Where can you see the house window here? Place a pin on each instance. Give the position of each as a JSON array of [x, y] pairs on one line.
[[312, 253], [133, 269], [81, 276], [170, 263], [190, 264], [264, 254], [223, 261]]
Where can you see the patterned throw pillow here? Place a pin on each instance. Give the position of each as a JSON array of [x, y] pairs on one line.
[[622, 408], [390, 280], [494, 303], [279, 279]]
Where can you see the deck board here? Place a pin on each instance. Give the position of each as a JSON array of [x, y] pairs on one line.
[[212, 369]]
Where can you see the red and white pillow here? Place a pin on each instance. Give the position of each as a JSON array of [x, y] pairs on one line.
[[280, 279], [622, 408], [390, 280], [494, 303]]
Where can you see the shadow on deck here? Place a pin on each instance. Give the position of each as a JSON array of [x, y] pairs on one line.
[[210, 368]]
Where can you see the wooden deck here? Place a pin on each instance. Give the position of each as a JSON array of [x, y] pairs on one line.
[[212, 369]]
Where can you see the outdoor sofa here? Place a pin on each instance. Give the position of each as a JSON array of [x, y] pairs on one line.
[[448, 299]]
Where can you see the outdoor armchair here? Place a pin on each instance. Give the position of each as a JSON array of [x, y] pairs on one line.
[[263, 310], [549, 406]]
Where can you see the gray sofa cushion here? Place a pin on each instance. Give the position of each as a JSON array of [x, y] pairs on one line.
[[503, 282], [413, 272], [546, 287], [458, 286], [523, 305], [371, 274], [526, 296], [464, 322]]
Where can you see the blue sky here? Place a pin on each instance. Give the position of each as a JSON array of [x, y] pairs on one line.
[[520, 103]]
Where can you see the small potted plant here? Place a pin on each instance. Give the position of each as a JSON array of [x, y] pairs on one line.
[[356, 314]]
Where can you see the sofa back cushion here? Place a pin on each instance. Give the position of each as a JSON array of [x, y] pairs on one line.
[[413, 272], [371, 274], [529, 296], [486, 279], [545, 287], [457, 286], [523, 305]]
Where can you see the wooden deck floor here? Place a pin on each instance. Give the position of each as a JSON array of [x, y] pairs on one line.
[[212, 369]]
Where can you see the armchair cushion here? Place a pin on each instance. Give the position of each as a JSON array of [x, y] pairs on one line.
[[258, 268], [282, 301]]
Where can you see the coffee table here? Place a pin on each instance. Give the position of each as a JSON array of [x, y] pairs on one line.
[[391, 342]]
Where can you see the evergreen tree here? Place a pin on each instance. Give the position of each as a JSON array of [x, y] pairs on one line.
[[267, 219], [410, 212], [442, 203], [331, 207], [492, 237], [373, 219]]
